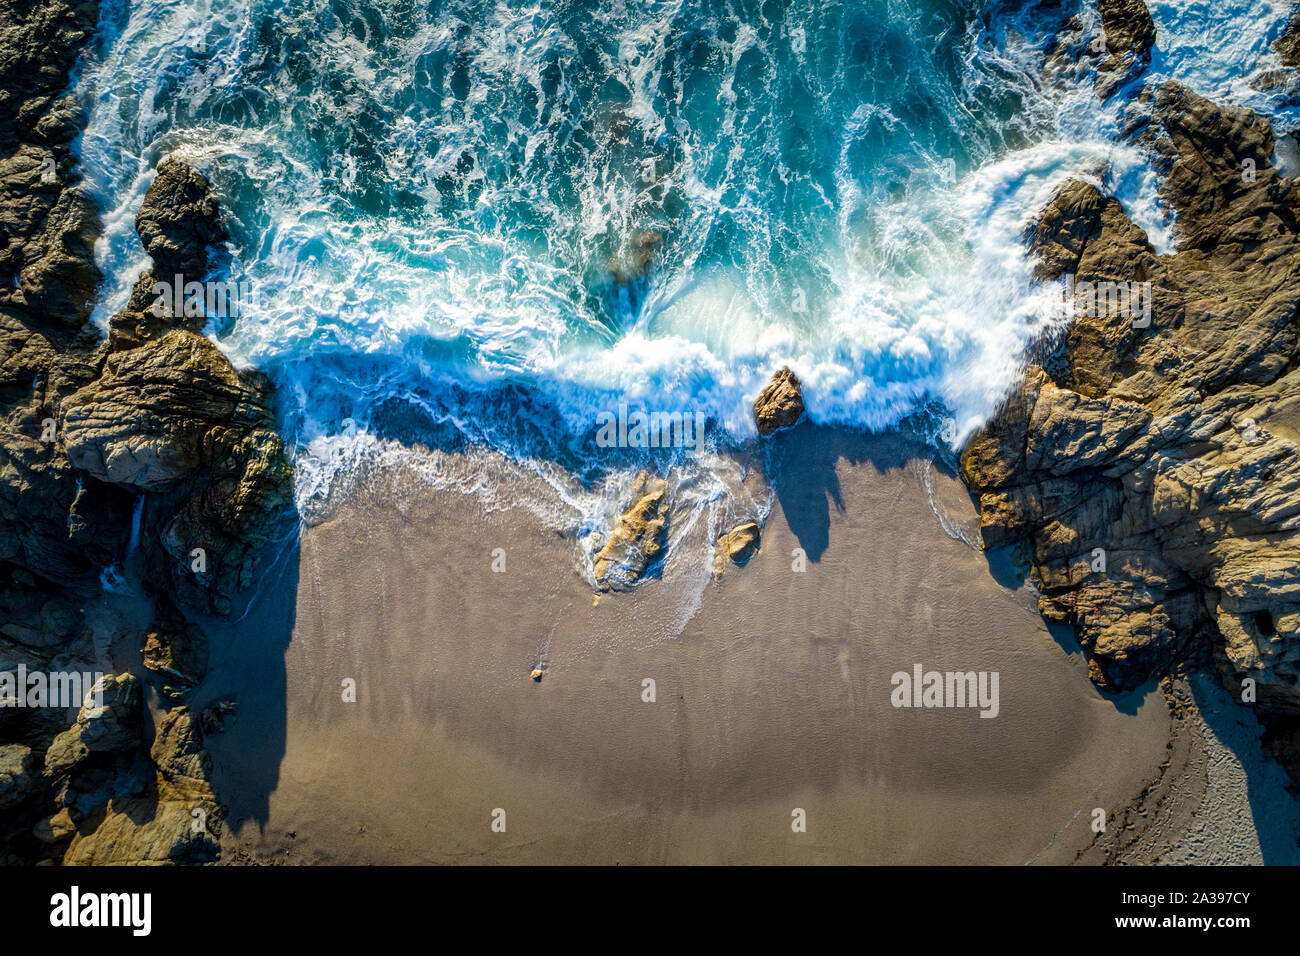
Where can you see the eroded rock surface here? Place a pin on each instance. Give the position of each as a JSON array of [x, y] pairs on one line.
[[175, 650], [780, 403], [1150, 461], [152, 424], [171, 417], [639, 539], [1129, 35]]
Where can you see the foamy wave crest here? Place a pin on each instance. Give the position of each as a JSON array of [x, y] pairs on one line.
[[445, 209]]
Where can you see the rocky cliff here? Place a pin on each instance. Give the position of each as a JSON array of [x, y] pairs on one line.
[[149, 423], [1149, 462]]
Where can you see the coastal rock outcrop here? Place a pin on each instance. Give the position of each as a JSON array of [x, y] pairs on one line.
[[1130, 35], [1151, 459], [39, 43], [170, 416], [780, 403], [148, 439], [742, 542], [109, 723], [1288, 44], [639, 539], [175, 650], [176, 820], [179, 221], [16, 768], [1112, 53], [119, 803], [737, 546], [148, 422], [179, 224]]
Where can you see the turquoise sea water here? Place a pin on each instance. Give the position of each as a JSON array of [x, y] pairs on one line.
[[434, 201]]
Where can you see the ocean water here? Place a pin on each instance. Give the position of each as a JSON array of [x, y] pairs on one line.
[[439, 204]]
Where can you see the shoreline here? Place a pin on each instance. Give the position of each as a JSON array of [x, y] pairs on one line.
[[774, 694], [522, 688]]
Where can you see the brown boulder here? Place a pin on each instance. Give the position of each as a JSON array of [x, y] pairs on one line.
[[639, 539], [780, 403]]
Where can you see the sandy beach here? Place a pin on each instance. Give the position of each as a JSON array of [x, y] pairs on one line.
[[773, 697]]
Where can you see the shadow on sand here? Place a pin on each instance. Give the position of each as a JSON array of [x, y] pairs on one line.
[[801, 464], [247, 665], [1275, 814]]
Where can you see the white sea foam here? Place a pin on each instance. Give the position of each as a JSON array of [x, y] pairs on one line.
[[426, 207]]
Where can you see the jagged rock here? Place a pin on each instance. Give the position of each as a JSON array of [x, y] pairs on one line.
[[171, 417], [147, 423], [1288, 44], [179, 221], [535, 674], [1154, 472], [138, 831], [1130, 35], [116, 725], [244, 501], [184, 766], [47, 268], [60, 525], [175, 649], [174, 823], [780, 403], [213, 718], [47, 278], [16, 774], [39, 42], [56, 828], [639, 539], [38, 490], [1129, 28], [47, 228]]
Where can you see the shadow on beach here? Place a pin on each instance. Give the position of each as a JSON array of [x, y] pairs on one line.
[[247, 665]]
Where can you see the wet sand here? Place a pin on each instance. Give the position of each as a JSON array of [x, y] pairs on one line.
[[773, 697]]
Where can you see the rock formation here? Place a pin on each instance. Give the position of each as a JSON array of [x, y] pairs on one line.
[[737, 546], [780, 403], [171, 816], [639, 539], [175, 650], [1129, 35], [151, 422], [1288, 44], [1109, 54], [1150, 460], [741, 542]]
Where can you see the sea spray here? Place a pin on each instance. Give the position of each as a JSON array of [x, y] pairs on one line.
[[436, 206]]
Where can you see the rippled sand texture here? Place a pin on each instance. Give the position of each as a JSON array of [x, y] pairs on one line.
[[774, 696]]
